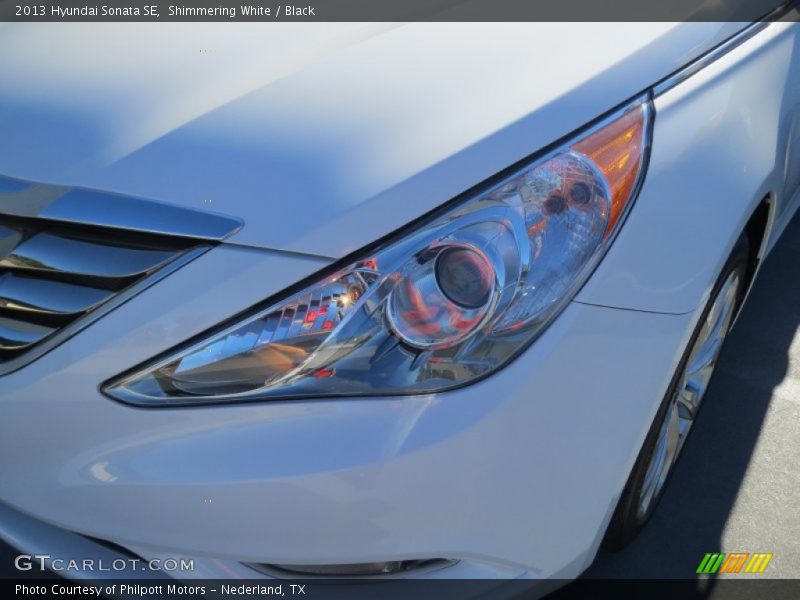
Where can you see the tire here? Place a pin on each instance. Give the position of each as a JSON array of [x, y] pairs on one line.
[[661, 448]]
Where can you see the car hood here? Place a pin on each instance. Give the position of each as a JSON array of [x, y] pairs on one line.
[[319, 137]]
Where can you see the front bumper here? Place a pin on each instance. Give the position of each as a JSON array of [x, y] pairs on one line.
[[516, 475]]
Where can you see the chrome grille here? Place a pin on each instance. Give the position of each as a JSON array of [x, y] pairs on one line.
[[55, 276]]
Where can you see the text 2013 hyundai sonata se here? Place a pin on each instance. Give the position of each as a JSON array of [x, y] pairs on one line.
[[423, 300]]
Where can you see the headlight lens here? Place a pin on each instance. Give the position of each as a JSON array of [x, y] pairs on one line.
[[441, 306]]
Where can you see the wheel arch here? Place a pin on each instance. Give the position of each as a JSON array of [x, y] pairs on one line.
[[757, 229]]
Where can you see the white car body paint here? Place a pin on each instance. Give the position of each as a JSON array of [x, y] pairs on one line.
[[739, 116], [515, 476], [340, 119]]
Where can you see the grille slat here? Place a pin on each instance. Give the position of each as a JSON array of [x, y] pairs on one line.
[[17, 335], [45, 253], [43, 297], [10, 237], [56, 277]]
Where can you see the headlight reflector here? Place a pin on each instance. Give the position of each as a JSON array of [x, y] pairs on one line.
[[438, 307]]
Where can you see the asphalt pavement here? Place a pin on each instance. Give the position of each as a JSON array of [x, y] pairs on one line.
[[736, 488]]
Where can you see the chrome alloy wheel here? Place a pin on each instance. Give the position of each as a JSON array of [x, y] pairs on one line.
[[689, 392]]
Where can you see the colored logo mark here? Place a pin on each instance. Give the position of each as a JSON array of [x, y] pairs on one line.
[[734, 562]]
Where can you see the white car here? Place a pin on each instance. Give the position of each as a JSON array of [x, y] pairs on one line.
[[414, 300]]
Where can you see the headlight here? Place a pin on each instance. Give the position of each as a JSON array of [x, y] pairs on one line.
[[437, 307]]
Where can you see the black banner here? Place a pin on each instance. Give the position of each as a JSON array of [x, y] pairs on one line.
[[387, 589], [398, 11]]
